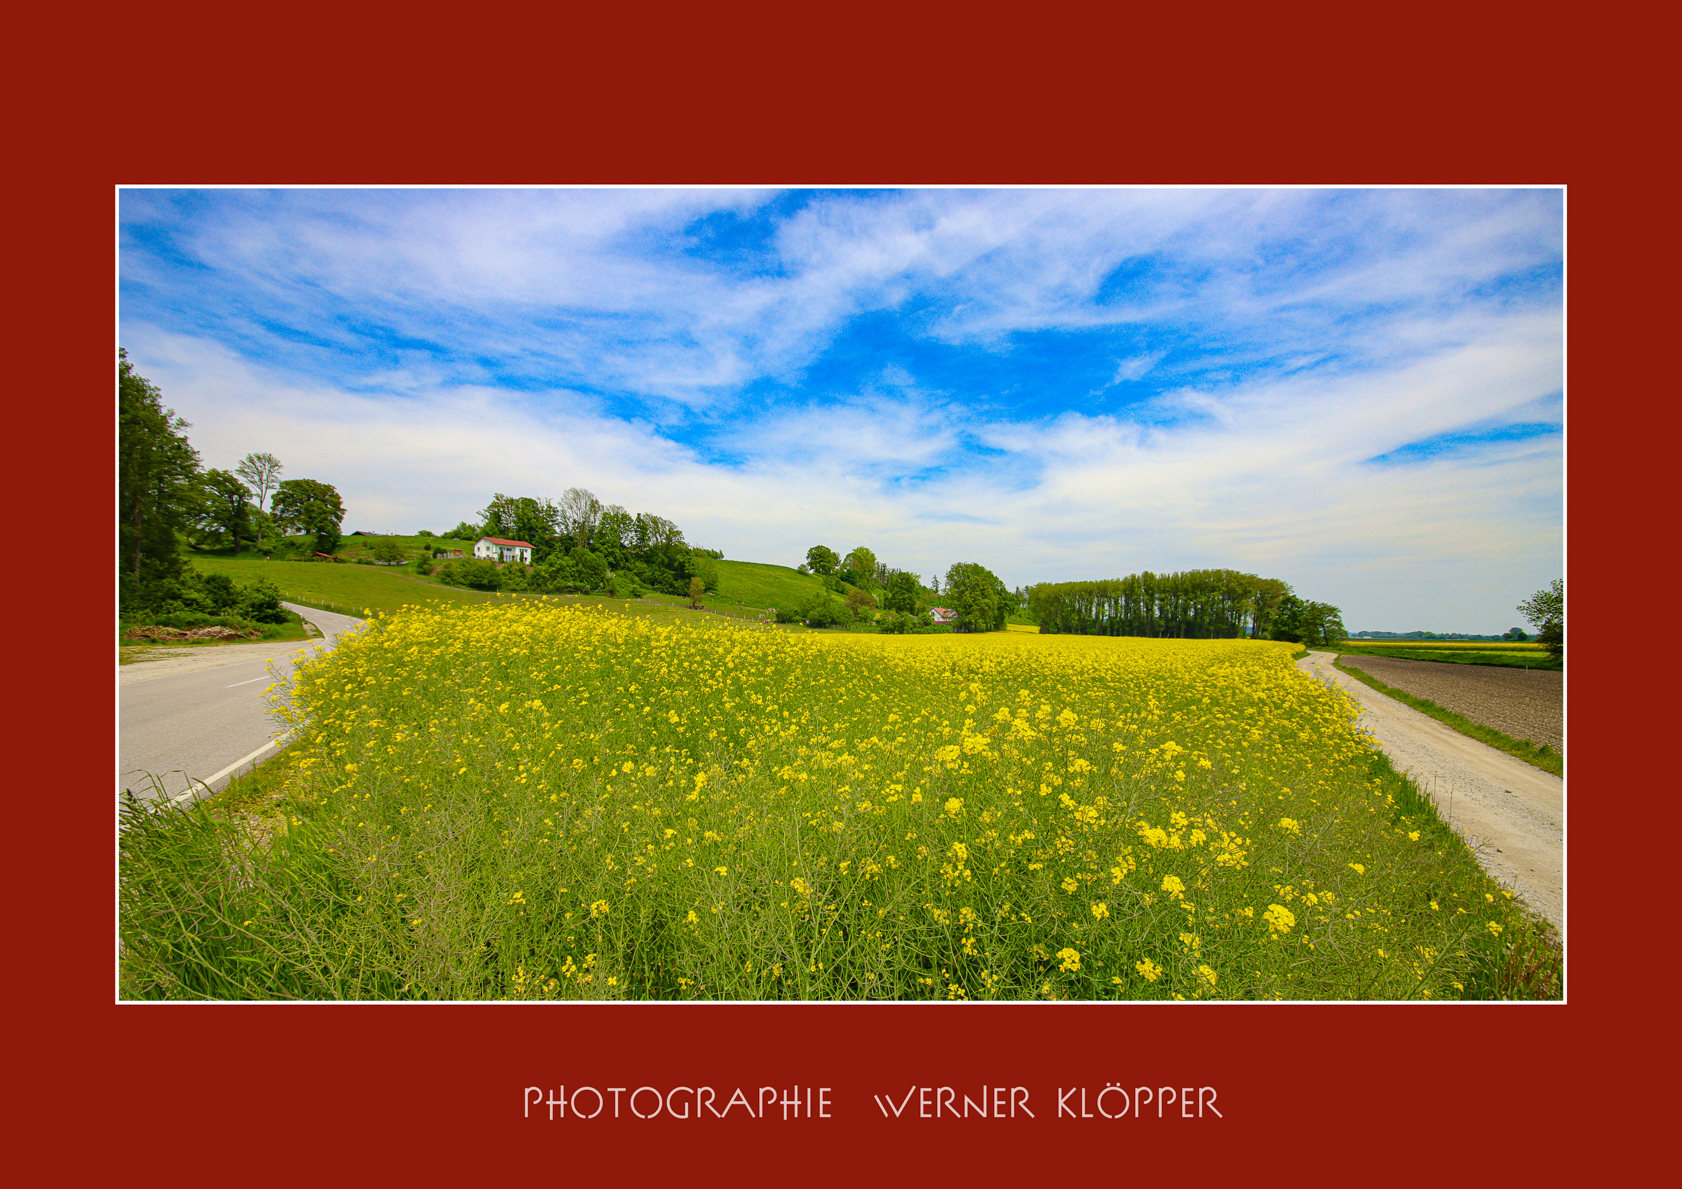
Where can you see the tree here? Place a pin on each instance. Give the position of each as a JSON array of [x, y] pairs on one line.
[[223, 507], [859, 568], [578, 514], [821, 560], [1518, 634], [858, 600], [977, 596], [899, 593], [522, 518], [1546, 612], [697, 591], [155, 471], [309, 506], [262, 472], [387, 550]]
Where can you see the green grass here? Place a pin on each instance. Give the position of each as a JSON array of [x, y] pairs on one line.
[[759, 585], [347, 589], [1508, 656], [1544, 757]]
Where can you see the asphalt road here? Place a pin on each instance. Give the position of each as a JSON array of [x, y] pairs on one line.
[[194, 724]]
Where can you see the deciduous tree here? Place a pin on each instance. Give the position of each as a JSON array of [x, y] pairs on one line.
[[310, 506], [821, 559], [261, 472], [156, 467]]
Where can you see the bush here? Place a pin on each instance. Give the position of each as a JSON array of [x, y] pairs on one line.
[[364, 561], [423, 566], [821, 611], [260, 602], [481, 575]]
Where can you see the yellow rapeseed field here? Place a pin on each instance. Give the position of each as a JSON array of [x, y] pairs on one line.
[[543, 801]]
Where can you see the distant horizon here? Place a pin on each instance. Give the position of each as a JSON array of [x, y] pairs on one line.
[[1359, 392]]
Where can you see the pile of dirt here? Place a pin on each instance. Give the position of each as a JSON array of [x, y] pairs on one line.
[[156, 632]]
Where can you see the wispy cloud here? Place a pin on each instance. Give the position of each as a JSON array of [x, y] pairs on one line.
[[1353, 390]]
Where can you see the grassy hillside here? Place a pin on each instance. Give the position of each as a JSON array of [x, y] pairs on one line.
[[746, 585], [755, 584], [332, 587]]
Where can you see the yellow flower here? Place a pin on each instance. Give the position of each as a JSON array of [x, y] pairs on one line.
[[1172, 885], [1279, 918], [1357, 868], [1208, 975], [1071, 884], [1100, 910], [954, 805], [1148, 969], [1070, 959], [1413, 835], [598, 909], [1494, 929], [1290, 825]]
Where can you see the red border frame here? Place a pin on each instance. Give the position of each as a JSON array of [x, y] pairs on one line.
[[271, 1093]]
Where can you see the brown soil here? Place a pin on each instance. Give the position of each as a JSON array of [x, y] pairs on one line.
[[1525, 704], [214, 632]]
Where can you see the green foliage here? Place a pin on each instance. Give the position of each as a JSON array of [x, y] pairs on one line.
[[823, 611], [423, 566], [978, 597], [310, 506], [197, 592], [220, 512], [821, 560], [900, 593], [1195, 604], [387, 549], [858, 602], [697, 591], [859, 568], [156, 469], [1546, 612]]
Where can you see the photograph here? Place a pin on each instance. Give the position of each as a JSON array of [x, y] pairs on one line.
[[738, 595]]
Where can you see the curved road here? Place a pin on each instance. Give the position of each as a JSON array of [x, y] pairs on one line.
[[201, 714], [1511, 814]]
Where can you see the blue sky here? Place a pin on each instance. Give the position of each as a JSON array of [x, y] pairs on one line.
[[1359, 391]]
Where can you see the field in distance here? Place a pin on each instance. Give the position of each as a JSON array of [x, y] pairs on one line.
[[1510, 655]]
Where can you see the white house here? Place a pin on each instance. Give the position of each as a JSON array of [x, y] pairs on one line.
[[496, 549], [942, 614]]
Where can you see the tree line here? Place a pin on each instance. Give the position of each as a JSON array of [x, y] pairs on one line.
[[1194, 605], [166, 496], [581, 544]]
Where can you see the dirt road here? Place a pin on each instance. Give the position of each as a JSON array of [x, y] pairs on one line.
[[1512, 815]]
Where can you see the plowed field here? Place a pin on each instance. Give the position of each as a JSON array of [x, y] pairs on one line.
[[1524, 705]]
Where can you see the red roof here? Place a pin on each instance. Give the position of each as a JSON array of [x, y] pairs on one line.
[[500, 541]]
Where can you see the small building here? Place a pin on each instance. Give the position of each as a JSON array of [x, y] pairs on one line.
[[497, 549], [942, 614]]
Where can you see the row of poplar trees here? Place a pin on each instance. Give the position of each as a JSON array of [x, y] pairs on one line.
[[1192, 605]]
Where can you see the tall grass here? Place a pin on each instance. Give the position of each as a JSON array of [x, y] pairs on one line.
[[537, 801]]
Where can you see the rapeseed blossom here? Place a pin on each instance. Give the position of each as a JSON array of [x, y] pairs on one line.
[[794, 815]]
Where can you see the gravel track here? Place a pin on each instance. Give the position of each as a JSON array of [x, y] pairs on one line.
[[1511, 814], [1524, 704]]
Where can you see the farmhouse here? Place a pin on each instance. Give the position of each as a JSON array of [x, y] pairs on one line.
[[496, 549], [942, 614]]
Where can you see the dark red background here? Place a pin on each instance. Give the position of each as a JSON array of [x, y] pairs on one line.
[[862, 95]]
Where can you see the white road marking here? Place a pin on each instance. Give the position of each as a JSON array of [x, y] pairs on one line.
[[264, 677]]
